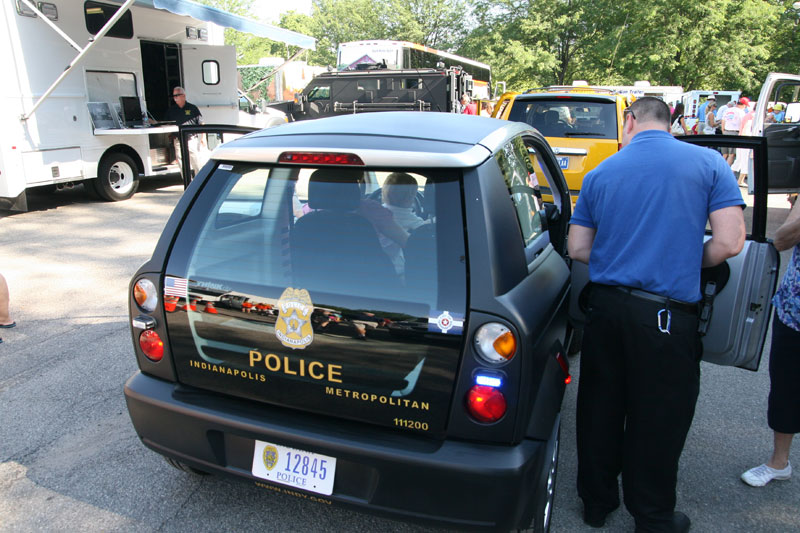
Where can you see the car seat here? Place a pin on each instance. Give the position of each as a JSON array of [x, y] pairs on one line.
[[420, 252], [333, 248]]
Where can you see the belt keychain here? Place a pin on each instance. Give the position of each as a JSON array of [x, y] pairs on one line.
[[660, 315]]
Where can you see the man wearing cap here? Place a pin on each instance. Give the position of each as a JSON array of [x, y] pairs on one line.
[[185, 113], [701, 113], [732, 123]]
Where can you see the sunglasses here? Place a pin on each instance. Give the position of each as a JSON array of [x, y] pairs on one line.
[[627, 112], [182, 94]]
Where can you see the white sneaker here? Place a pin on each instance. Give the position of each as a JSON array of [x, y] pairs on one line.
[[763, 474]]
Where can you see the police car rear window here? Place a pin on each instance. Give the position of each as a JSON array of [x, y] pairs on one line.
[[332, 290], [389, 234], [572, 118]]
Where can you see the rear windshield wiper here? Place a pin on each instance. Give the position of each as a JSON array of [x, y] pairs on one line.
[[571, 133]]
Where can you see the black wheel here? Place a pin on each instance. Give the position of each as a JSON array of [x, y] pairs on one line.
[[577, 342], [90, 186], [184, 467], [545, 495], [117, 177]]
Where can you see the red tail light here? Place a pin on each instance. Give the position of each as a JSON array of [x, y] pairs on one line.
[[486, 404], [152, 345], [564, 364], [320, 158]]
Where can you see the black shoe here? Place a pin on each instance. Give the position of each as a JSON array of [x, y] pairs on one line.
[[595, 516], [680, 522]]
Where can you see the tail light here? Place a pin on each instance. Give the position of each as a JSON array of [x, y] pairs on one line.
[[486, 404], [564, 364], [495, 343], [320, 158], [152, 345], [145, 294]]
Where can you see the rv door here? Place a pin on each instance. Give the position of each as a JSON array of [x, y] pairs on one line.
[[783, 139], [210, 81]]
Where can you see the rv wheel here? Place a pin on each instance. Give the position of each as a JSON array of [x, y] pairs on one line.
[[117, 177]]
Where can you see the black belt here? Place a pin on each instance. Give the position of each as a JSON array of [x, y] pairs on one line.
[[663, 300]]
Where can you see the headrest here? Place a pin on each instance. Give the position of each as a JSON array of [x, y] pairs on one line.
[[429, 200], [551, 117], [335, 188]]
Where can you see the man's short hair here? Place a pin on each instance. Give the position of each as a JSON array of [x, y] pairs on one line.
[[651, 109]]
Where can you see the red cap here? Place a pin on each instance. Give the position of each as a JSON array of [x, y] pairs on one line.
[[744, 100]]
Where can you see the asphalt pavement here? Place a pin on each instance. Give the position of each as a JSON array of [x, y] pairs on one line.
[[70, 459]]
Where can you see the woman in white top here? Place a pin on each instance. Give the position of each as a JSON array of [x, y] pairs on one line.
[[710, 124]]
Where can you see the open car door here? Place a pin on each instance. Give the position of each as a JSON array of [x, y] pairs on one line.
[[740, 314], [783, 134]]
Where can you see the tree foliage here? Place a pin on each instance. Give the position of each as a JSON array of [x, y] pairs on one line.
[[713, 44]]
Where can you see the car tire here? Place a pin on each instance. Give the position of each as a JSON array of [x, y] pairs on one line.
[[576, 345], [546, 488], [184, 467], [117, 177]]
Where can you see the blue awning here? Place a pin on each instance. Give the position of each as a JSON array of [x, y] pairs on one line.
[[229, 20]]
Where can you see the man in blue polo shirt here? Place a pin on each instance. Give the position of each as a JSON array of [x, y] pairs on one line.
[[639, 223], [701, 113]]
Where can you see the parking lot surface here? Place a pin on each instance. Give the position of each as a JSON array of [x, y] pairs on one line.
[[70, 459]]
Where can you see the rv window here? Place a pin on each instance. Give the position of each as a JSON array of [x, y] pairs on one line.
[[98, 14], [210, 72]]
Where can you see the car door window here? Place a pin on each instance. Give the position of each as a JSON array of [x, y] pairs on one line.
[[521, 180], [782, 130]]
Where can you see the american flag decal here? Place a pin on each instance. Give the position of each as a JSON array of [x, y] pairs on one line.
[[176, 287]]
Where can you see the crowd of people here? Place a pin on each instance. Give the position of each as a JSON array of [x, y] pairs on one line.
[[732, 118]]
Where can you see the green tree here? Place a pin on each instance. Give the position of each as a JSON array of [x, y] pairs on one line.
[[785, 46], [719, 44], [530, 42], [435, 23], [339, 21]]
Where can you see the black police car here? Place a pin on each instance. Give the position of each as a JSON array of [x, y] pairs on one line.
[[353, 308]]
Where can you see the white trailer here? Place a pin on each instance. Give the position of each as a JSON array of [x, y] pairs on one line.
[[65, 107]]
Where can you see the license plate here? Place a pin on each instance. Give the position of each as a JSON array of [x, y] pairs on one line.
[[563, 162], [296, 468]]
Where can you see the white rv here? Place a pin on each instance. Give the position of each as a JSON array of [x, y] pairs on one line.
[[87, 83]]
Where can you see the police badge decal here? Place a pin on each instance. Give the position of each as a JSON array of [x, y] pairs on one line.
[[270, 457], [293, 327]]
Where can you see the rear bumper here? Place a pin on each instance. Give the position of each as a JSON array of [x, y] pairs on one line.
[[461, 484]]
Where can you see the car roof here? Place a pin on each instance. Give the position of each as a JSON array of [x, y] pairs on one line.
[[405, 138], [550, 95]]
